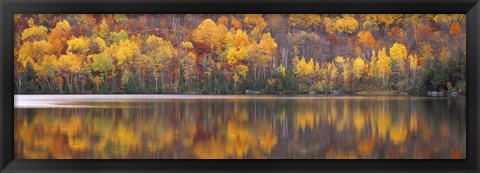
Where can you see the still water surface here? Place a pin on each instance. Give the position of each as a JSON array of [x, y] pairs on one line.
[[276, 127]]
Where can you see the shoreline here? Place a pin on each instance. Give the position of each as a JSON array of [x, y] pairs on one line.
[[85, 101], [357, 94], [201, 96]]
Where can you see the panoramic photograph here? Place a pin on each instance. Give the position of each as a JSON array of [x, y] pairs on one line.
[[240, 86]]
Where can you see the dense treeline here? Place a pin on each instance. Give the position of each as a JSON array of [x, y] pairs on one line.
[[224, 54]]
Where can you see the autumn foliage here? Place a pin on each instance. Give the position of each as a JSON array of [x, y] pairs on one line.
[[231, 53]]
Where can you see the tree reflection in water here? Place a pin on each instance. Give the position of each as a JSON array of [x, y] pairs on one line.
[[282, 128]]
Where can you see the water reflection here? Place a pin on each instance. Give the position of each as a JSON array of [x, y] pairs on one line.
[[283, 128]]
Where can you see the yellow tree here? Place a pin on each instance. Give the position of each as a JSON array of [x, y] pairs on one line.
[[329, 25], [34, 52], [99, 65], [319, 80], [98, 45], [384, 65], [347, 72], [188, 66], [58, 36], [211, 34], [256, 23], [69, 66], [103, 30], [163, 52], [78, 49], [374, 21], [374, 72], [332, 72], [281, 70], [235, 58], [389, 19], [210, 39], [188, 61], [143, 65], [38, 55], [399, 53], [305, 20], [448, 18], [359, 67], [78, 45], [370, 22], [340, 63], [345, 24], [46, 70], [268, 45], [255, 20], [34, 33], [304, 70], [236, 54], [124, 52]]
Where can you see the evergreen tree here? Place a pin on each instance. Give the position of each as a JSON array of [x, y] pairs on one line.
[[395, 74], [30, 76], [440, 76], [425, 80], [132, 85]]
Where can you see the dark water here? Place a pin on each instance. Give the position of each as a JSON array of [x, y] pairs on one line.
[[241, 127]]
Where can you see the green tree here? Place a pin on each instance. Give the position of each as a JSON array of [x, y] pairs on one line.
[[395, 75], [30, 76], [433, 78]]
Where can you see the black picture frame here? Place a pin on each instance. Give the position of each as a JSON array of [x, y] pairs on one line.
[[9, 7]]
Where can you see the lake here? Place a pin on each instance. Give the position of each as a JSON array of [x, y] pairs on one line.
[[238, 127]]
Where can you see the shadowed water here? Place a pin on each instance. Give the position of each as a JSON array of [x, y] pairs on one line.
[[185, 127]]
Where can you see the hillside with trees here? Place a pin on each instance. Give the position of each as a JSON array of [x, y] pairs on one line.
[[231, 53]]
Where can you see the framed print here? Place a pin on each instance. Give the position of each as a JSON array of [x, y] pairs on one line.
[[215, 85]]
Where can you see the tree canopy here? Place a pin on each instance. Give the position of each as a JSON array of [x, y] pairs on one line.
[[231, 53]]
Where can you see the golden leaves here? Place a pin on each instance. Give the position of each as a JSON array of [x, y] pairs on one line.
[[161, 50], [346, 24], [306, 20], [267, 43], [302, 68], [34, 33], [208, 32], [366, 38], [359, 67], [125, 50], [281, 70], [33, 52], [384, 62], [78, 45], [70, 62], [187, 45], [255, 21], [184, 131], [448, 18], [374, 21], [399, 53], [103, 30]]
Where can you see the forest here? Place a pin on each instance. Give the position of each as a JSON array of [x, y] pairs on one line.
[[232, 53]]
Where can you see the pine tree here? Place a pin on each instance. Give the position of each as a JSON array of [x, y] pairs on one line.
[[30, 76], [395, 74]]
